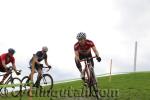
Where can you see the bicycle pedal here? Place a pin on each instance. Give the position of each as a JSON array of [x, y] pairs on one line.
[[85, 84], [27, 84], [37, 86], [13, 86], [1, 83]]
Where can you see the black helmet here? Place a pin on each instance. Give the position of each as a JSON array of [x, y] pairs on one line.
[[11, 50]]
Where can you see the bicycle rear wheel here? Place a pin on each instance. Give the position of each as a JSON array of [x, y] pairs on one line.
[[3, 91], [47, 81]]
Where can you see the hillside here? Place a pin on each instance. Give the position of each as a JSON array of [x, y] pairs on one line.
[[132, 86]]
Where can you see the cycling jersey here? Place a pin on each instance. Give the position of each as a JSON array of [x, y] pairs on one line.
[[40, 56], [84, 49], [7, 58]]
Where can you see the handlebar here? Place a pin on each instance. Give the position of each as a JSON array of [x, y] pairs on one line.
[[43, 67], [10, 68], [46, 67], [88, 58], [19, 71]]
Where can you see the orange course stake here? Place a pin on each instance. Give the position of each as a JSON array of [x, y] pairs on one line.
[[32, 73]]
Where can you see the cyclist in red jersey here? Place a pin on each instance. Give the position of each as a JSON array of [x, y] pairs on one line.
[[82, 50], [5, 59]]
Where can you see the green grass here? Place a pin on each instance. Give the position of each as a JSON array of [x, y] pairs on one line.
[[132, 86]]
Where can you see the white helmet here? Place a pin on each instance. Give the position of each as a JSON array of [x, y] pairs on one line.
[[81, 35], [44, 48]]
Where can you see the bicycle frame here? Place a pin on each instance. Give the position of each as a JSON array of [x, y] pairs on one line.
[[10, 77], [43, 72], [91, 79], [44, 80], [88, 69]]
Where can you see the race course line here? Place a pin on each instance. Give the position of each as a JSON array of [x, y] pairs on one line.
[[14, 85]]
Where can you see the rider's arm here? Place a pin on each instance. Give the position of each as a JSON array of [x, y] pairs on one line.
[[14, 67], [3, 57], [77, 56], [36, 59], [46, 63], [95, 51], [3, 63]]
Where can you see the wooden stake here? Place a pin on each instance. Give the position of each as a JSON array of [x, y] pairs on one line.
[[135, 56], [110, 70], [32, 73]]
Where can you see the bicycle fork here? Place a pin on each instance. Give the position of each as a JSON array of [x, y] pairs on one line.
[[44, 80]]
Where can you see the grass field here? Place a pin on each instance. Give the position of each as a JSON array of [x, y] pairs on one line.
[[132, 86]]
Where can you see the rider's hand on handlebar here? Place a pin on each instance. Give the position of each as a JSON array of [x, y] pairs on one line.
[[77, 59], [98, 59], [18, 73], [49, 66], [7, 69], [41, 65]]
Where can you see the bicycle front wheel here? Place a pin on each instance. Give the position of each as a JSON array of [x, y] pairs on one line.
[[14, 86], [94, 84], [47, 81], [25, 84]]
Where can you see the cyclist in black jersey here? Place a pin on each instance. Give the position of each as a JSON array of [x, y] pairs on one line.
[[39, 56]]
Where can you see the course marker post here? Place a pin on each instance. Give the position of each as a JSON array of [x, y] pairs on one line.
[[110, 70], [32, 73]]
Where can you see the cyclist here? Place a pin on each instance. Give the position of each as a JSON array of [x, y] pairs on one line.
[[82, 50], [39, 56], [5, 59]]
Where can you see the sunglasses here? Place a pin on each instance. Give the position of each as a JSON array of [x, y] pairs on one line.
[[45, 51]]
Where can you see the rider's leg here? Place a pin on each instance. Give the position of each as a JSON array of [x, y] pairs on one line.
[[29, 77], [39, 77], [92, 62], [5, 75], [79, 66], [30, 64]]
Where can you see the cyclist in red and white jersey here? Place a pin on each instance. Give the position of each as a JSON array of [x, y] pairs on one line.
[[82, 50], [5, 59]]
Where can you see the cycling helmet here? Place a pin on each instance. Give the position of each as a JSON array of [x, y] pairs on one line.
[[44, 48], [81, 35], [11, 50]]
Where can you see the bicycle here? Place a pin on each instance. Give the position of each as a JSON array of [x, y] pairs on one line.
[[89, 77], [46, 81], [12, 84]]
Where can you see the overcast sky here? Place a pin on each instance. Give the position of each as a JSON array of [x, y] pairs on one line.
[[113, 25]]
